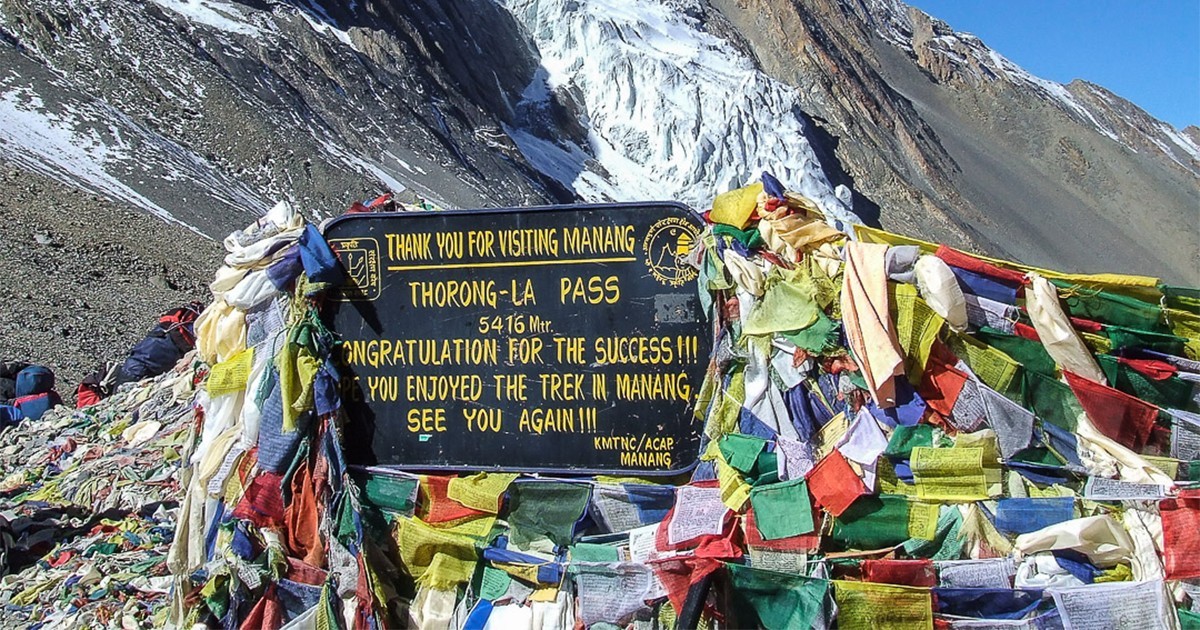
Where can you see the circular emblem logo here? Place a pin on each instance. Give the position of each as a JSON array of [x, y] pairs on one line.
[[666, 245]]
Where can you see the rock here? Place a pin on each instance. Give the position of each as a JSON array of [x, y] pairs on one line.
[[42, 238]]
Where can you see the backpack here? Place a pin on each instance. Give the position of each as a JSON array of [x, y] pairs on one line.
[[172, 337], [10, 416], [97, 386], [181, 321], [35, 379], [34, 406]]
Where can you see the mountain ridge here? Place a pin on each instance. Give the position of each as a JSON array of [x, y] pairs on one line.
[[206, 112]]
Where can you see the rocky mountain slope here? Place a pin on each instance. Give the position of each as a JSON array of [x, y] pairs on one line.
[[205, 112], [955, 142]]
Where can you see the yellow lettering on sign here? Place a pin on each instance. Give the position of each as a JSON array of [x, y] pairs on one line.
[[409, 246], [567, 387], [524, 350], [593, 290], [426, 420], [635, 350], [599, 239], [541, 420]]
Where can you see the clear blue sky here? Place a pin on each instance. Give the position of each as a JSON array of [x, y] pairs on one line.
[[1147, 51]]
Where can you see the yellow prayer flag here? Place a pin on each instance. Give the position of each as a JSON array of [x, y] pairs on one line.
[[734, 207], [949, 474], [482, 491], [917, 327], [888, 483], [527, 572], [547, 594], [995, 368], [831, 434], [922, 519], [448, 571], [870, 606], [734, 490], [231, 375], [1169, 465], [420, 545]]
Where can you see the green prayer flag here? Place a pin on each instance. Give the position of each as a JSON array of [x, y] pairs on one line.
[[590, 552], [1052, 400], [741, 451], [1030, 354], [1182, 298], [1188, 620], [946, 543], [872, 522], [780, 600], [820, 337], [788, 303], [782, 510], [750, 237], [494, 584], [390, 492], [1110, 308], [1172, 391], [1121, 338], [765, 471], [545, 510], [905, 439]]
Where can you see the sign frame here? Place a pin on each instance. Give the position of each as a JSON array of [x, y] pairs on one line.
[[684, 460]]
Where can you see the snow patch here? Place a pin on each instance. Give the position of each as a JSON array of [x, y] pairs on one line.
[[673, 112], [363, 166], [323, 23], [223, 16], [1018, 75], [1180, 140], [52, 145]]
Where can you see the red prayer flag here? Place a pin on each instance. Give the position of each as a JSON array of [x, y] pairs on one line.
[[679, 574], [1118, 415], [436, 506], [958, 259], [1025, 331], [302, 520], [305, 573], [262, 503], [834, 484], [1181, 537], [267, 614], [802, 543], [720, 545], [1152, 369], [1086, 325], [902, 572], [942, 382]]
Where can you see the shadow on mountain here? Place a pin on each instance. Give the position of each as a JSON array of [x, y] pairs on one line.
[[474, 49], [825, 146]]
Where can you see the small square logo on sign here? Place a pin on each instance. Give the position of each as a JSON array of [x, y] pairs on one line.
[[360, 257]]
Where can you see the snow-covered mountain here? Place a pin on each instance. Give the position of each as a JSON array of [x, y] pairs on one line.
[[200, 111], [673, 110], [203, 110]]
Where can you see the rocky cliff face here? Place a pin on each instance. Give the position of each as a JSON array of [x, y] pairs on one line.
[[957, 143], [207, 111]]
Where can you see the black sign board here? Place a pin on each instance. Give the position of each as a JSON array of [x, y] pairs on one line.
[[543, 339]]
